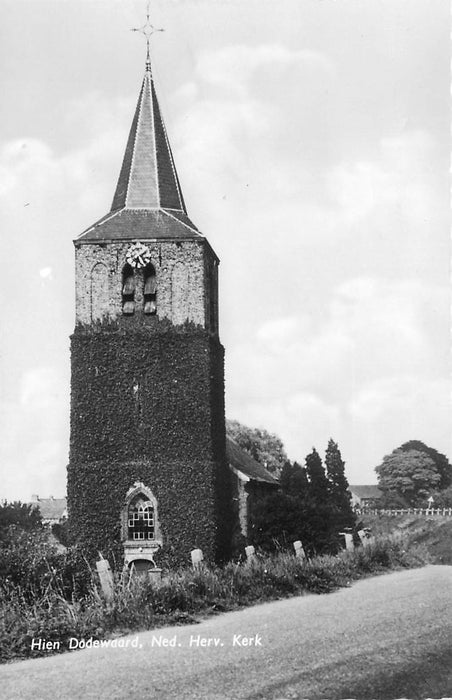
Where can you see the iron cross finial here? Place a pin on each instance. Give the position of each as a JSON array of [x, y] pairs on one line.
[[147, 30]]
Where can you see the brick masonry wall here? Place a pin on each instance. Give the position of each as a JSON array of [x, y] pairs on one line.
[[186, 275]]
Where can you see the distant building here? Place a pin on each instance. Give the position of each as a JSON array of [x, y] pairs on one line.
[[365, 496], [53, 510]]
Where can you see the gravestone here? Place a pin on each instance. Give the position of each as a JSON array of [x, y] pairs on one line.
[[362, 536], [196, 557], [299, 551], [349, 546], [106, 578], [250, 552]]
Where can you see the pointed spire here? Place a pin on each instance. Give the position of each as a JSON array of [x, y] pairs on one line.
[[148, 177]]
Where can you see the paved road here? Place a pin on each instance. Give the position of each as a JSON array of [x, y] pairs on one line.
[[386, 637]]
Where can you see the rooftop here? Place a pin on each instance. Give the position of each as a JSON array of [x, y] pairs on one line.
[[243, 462], [50, 508], [148, 201], [368, 491]]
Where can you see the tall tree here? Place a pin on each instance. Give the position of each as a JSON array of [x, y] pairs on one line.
[[338, 484], [294, 480], [411, 474], [441, 462], [318, 483], [266, 448]]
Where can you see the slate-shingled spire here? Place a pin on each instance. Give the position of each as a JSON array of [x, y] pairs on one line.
[[148, 178], [148, 201]]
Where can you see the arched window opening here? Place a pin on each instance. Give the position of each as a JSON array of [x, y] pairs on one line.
[[140, 519], [128, 290], [150, 290]]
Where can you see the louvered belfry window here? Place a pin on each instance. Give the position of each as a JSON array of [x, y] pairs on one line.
[[128, 291], [150, 290], [140, 519]]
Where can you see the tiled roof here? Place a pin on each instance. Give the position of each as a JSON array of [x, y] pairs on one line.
[[371, 491], [241, 460], [51, 508], [140, 224], [148, 201], [148, 178]]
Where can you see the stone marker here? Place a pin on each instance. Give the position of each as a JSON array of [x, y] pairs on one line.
[[196, 557], [365, 537], [106, 578], [348, 541], [250, 552], [299, 551], [362, 536]]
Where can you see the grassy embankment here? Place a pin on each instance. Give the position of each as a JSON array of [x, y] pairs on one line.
[[182, 595], [434, 533]]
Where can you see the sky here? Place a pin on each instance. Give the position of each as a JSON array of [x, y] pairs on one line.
[[311, 138]]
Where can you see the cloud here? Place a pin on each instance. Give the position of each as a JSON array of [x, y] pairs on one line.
[[328, 332], [233, 67], [398, 179], [34, 428], [364, 369], [46, 273]]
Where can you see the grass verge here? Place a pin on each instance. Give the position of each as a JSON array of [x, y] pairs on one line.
[[182, 595]]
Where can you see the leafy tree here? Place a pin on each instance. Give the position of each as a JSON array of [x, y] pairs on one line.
[[442, 499], [338, 485], [411, 474], [393, 499], [294, 480], [266, 448], [22, 515], [442, 464]]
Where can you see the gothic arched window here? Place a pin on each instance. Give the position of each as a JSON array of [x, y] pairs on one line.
[[128, 290], [150, 290], [140, 519]]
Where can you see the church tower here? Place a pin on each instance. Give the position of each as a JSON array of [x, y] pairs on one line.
[[147, 469]]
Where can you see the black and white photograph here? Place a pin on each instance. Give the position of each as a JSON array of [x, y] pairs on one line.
[[225, 354]]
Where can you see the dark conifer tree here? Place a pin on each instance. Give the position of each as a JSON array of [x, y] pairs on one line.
[[294, 480], [338, 486], [318, 483]]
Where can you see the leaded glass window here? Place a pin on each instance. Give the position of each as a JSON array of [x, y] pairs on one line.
[[140, 519]]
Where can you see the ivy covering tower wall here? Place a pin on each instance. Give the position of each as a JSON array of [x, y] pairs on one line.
[[149, 407]]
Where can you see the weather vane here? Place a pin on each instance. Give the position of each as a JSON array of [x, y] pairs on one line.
[[147, 30]]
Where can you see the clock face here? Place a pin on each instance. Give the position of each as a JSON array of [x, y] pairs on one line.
[[138, 255]]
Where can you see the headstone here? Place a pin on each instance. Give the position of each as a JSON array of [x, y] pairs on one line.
[[155, 575], [348, 541], [362, 534], [106, 578], [250, 552], [299, 551], [196, 557], [366, 537]]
